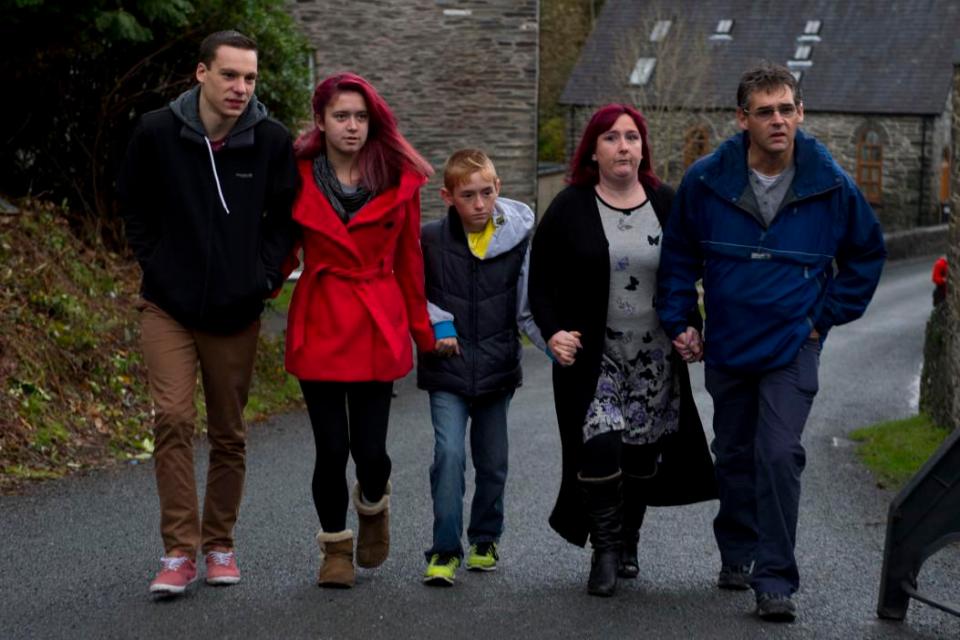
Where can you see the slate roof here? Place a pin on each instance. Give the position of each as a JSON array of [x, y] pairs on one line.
[[883, 57]]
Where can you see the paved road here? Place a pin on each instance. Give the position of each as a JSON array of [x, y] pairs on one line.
[[76, 556]]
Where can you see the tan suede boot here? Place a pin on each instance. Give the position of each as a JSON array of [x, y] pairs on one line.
[[373, 535], [336, 558]]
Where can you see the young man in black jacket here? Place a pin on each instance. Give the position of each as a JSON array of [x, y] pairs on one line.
[[206, 193]]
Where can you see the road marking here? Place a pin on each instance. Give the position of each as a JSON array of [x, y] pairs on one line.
[[914, 391]]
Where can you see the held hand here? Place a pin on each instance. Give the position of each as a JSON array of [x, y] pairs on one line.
[[689, 345], [564, 345], [447, 347]]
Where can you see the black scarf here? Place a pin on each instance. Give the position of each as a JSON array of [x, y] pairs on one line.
[[345, 204]]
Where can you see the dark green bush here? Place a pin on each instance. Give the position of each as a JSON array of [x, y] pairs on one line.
[[79, 74]]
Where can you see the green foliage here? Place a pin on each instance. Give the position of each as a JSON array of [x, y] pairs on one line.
[[23, 472], [85, 70], [896, 450], [564, 28], [273, 390], [73, 385], [282, 302], [552, 139], [120, 25]]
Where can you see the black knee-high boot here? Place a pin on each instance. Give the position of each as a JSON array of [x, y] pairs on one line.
[[634, 509], [604, 505], [639, 463]]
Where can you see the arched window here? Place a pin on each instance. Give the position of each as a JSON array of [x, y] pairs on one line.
[[696, 144], [870, 165]]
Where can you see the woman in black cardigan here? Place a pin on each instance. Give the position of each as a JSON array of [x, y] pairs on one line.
[[629, 429]]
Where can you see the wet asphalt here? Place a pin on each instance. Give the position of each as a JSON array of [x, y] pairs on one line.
[[76, 555]]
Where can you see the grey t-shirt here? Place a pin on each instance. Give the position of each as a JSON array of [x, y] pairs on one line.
[[771, 190]]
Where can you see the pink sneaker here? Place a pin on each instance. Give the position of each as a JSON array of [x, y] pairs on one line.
[[176, 574], [222, 568]]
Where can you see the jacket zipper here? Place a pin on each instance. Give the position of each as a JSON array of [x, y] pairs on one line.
[[476, 329]]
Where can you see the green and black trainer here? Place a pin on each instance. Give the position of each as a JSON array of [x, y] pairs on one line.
[[483, 557], [442, 570]]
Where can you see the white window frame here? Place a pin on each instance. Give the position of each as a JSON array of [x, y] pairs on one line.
[[660, 30], [642, 71]]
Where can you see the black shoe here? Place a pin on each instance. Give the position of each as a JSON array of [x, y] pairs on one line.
[[734, 577], [776, 607], [603, 573], [628, 566]]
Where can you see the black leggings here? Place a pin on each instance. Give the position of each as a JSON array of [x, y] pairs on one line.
[[347, 418], [606, 454]]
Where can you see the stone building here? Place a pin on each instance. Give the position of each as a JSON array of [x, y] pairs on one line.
[[875, 79], [456, 73]]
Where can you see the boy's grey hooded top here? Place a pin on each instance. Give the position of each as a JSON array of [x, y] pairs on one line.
[[481, 302], [209, 229]]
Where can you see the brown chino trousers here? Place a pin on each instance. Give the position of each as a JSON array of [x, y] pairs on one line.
[[172, 352]]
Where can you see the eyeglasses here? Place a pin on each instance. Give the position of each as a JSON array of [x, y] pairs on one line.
[[765, 113]]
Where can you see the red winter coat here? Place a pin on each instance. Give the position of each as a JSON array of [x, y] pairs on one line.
[[361, 294]]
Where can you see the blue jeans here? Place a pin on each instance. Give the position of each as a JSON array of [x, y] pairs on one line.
[[758, 420], [488, 445]]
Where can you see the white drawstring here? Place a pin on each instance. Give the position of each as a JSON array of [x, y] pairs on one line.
[[216, 178]]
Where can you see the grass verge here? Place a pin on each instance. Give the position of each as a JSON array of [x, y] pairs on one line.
[[894, 451], [73, 387]]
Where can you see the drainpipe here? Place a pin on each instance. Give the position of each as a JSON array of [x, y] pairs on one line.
[[923, 171]]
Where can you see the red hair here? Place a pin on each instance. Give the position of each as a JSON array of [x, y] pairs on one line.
[[583, 168], [386, 154]]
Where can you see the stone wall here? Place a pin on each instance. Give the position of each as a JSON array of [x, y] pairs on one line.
[[910, 144], [551, 181], [952, 351], [911, 148], [939, 388], [455, 73]]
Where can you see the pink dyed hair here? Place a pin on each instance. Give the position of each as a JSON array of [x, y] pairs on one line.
[[583, 169], [386, 154]]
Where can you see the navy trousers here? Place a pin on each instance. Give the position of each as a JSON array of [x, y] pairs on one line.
[[758, 421]]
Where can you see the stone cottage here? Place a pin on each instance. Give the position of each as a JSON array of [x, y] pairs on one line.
[[875, 77], [457, 73]]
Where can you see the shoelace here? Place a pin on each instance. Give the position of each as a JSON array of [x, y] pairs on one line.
[[172, 563], [221, 557]]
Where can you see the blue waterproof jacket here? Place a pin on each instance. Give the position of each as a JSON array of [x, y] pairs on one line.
[[765, 288]]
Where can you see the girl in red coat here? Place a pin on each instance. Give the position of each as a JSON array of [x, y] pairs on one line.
[[358, 301]]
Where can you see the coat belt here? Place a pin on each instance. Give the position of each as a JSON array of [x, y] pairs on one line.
[[369, 300]]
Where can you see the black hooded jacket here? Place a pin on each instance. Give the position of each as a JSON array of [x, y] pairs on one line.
[[209, 229]]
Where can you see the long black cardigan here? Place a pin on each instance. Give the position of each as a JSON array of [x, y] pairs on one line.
[[569, 290]]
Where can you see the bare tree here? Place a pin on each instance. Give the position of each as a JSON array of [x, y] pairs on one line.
[[660, 64]]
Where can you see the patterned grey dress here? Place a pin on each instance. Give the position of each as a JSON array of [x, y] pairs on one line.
[[633, 393]]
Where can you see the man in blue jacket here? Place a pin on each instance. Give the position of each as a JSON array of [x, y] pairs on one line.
[[787, 248]]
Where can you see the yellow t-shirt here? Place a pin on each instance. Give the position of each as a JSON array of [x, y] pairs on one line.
[[480, 240]]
